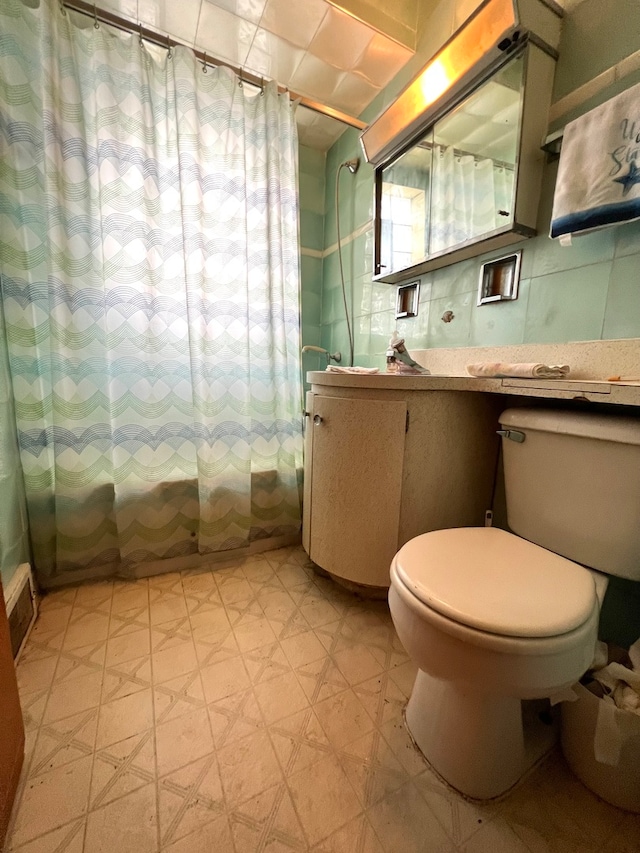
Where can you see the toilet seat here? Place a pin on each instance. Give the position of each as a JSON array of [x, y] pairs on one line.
[[491, 581]]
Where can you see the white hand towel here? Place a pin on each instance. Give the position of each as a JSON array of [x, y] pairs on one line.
[[501, 369], [599, 172], [333, 369]]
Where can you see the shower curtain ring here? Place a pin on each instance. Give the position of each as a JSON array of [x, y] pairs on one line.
[[262, 85], [240, 81], [169, 48], [96, 25], [204, 64], [140, 34], [63, 11]]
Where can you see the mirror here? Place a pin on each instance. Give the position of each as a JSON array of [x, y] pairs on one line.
[[455, 185], [458, 153], [466, 181], [405, 207]]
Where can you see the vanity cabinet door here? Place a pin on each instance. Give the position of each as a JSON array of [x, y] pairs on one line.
[[355, 469], [308, 455]]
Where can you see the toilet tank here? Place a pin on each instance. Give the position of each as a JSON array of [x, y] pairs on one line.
[[573, 485]]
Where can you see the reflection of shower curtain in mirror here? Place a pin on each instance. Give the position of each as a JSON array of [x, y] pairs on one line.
[[467, 194]]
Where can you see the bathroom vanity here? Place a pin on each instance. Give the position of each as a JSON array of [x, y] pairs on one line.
[[390, 457], [383, 464]]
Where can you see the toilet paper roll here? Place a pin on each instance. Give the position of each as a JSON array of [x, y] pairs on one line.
[[608, 739], [613, 674], [614, 727]]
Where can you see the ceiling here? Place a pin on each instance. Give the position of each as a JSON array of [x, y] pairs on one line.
[[310, 46]]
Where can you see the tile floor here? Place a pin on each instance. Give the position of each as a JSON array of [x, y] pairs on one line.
[[256, 707]]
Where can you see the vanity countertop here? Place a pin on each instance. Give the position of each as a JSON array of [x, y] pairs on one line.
[[617, 393]]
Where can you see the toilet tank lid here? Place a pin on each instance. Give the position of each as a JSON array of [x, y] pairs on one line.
[[622, 430]]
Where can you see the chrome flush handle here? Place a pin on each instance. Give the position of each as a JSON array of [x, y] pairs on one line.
[[512, 435], [317, 420]]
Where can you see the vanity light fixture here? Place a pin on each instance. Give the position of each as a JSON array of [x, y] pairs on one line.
[[495, 29], [484, 97]]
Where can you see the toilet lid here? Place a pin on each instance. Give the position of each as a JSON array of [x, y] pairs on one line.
[[489, 579]]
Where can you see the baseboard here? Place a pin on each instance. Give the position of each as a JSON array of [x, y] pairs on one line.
[[199, 561], [173, 564]]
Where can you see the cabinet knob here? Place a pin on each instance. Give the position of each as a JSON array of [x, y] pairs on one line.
[[317, 420]]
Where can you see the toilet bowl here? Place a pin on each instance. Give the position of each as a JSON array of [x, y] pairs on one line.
[[491, 618], [479, 654]]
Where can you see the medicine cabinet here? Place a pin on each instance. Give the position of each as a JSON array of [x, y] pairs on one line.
[[459, 174]]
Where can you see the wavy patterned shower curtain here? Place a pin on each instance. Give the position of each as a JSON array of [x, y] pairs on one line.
[[149, 269], [466, 196]]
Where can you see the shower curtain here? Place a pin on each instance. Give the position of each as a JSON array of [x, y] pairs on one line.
[[467, 194], [13, 514], [150, 284]]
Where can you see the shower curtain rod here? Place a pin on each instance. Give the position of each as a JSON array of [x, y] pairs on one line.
[[460, 152], [151, 36]]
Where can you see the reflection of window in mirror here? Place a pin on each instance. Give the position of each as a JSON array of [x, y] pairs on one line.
[[404, 207], [403, 216]]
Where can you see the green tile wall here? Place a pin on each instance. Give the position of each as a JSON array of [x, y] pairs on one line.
[[312, 207], [595, 35], [586, 291]]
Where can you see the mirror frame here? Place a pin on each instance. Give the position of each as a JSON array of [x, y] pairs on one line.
[[539, 68]]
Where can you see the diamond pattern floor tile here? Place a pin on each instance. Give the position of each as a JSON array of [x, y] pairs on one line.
[[358, 835], [280, 696], [268, 822], [52, 799], [402, 821], [69, 838], [213, 835], [71, 697], [190, 798], [63, 741], [247, 768], [126, 825], [37, 673], [122, 767], [182, 740], [323, 797], [234, 717], [122, 718], [252, 707]]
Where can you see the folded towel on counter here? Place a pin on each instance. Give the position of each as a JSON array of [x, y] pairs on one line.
[[333, 369], [501, 369], [598, 180]]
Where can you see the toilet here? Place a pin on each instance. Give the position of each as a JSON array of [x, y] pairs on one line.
[[492, 618]]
